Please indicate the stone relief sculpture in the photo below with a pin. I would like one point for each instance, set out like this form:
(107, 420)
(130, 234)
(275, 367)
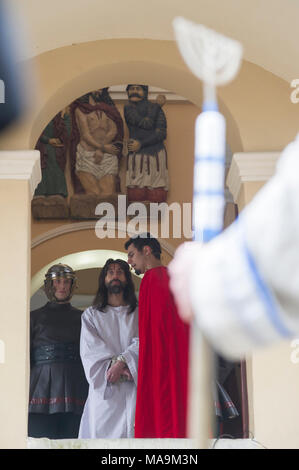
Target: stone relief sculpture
(95, 150)
(89, 131)
(147, 172)
(50, 198)
(81, 149)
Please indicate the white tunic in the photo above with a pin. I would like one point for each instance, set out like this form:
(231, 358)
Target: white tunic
(109, 411)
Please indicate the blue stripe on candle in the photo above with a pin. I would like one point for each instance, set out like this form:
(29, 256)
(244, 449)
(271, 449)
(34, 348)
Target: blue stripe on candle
(266, 296)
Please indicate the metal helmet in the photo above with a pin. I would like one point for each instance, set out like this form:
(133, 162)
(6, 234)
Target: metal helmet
(57, 271)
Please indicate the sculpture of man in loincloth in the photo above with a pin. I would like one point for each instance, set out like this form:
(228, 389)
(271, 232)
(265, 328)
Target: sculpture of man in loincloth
(97, 142)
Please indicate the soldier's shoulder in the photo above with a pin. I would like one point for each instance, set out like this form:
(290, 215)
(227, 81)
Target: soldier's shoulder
(37, 311)
(76, 310)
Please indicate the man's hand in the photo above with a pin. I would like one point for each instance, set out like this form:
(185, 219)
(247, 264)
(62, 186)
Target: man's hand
(110, 148)
(134, 145)
(180, 271)
(126, 372)
(55, 142)
(115, 371)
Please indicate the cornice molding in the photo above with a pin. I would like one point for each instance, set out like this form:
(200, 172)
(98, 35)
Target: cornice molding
(249, 167)
(21, 165)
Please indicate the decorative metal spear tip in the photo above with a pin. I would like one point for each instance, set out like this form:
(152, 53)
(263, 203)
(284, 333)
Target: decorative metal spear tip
(213, 58)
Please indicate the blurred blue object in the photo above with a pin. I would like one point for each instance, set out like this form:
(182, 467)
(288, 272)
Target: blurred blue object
(11, 100)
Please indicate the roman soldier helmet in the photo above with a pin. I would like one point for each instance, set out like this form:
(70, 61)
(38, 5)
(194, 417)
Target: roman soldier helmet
(57, 271)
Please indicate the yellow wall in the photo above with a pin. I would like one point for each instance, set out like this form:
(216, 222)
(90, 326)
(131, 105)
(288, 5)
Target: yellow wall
(275, 397)
(76, 242)
(14, 311)
(247, 192)
(256, 104)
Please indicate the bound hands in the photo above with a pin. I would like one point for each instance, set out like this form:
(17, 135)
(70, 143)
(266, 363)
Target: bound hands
(127, 374)
(117, 370)
(110, 148)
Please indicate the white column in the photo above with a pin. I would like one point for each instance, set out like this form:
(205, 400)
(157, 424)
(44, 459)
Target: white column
(248, 172)
(19, 175)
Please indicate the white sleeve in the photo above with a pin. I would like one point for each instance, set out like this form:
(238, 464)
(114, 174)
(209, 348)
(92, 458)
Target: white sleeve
(244, 285)
(95, 353)
(131, 353)
(131, 357)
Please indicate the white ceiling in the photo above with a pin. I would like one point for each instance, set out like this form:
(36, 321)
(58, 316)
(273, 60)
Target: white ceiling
(268, 29)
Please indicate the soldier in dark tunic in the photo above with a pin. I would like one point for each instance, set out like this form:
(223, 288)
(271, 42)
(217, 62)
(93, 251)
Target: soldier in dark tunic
(147, 172)
(58, 387)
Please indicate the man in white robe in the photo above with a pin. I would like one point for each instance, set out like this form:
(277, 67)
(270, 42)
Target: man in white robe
(109, 352)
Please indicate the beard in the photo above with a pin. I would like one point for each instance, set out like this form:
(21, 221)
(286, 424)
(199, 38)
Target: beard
(115, 287)
(137, 271)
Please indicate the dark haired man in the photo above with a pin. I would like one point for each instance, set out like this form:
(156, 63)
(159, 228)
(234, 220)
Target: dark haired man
(58, 387)
(109, 352)
(163, 357)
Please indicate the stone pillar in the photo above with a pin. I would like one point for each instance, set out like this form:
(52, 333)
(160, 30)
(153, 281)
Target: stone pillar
(19, 174)
(248, 172)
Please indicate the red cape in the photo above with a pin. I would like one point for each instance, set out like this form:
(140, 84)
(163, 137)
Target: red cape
(161, 406)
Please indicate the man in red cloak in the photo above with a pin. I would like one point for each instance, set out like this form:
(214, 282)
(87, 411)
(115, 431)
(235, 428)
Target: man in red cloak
(161, 406)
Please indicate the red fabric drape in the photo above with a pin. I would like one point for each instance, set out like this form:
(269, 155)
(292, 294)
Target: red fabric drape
(161, 406)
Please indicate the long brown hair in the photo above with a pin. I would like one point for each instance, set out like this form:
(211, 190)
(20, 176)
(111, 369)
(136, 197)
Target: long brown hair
(101, 297)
